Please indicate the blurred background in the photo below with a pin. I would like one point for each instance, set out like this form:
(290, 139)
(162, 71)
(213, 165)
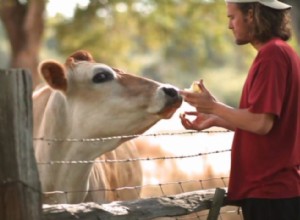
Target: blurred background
(171, 41)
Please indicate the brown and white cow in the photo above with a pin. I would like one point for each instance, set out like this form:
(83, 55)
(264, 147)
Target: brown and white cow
(84, 99)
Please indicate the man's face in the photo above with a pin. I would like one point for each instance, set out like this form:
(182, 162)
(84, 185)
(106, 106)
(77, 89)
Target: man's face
(240, 24)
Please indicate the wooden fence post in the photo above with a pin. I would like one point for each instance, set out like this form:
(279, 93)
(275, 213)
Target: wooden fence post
(217, 203)
(20, 197)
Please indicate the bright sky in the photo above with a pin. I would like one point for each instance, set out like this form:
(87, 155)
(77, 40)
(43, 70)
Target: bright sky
(67, 7)
(64, 7)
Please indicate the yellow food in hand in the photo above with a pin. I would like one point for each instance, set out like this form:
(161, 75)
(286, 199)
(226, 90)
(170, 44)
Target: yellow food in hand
(194, 88)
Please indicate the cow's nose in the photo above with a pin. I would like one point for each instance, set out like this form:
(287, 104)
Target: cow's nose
(171, 92)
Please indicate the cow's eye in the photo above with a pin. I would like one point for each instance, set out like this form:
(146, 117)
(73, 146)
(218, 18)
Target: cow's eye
(102, 76)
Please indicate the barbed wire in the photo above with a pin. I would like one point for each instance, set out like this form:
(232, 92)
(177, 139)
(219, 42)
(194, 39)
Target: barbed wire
(160, 185)
(132, 159)
(102, 139)
(136, 189)
(196, 215)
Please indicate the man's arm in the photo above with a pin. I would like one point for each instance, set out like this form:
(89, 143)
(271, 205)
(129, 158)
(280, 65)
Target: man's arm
(232, 118)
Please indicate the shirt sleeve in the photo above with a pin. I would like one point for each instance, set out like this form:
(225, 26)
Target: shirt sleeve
(269, 84)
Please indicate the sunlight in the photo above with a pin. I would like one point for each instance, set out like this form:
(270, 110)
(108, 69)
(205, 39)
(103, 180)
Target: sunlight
(55, 7)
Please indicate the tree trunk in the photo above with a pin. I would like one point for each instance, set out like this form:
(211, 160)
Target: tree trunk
(24, 24)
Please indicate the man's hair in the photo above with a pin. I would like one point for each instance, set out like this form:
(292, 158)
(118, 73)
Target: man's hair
(268, 22)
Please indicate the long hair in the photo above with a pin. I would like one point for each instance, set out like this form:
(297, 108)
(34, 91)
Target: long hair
(268, 22)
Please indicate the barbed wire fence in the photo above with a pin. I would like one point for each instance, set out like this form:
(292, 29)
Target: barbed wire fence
(220, 181)
(20, 191)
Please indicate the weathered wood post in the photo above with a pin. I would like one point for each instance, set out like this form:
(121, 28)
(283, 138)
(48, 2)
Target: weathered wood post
(217, 203)
(20, 197)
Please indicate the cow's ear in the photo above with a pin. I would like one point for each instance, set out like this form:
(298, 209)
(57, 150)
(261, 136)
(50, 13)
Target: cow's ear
(81, 55)
(54, 75)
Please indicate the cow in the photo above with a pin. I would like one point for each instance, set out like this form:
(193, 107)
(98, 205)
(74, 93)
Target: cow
(83, 99)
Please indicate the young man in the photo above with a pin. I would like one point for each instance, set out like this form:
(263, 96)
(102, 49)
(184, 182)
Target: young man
(265, 174)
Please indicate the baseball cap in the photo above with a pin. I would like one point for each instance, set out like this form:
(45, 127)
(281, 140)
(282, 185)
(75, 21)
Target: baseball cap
(269, 3)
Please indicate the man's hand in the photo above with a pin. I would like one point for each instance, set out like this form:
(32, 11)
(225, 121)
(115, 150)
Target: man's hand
(203, 101)
(201, 122)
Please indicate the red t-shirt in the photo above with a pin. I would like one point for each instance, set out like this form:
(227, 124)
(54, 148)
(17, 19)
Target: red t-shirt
(267, 166)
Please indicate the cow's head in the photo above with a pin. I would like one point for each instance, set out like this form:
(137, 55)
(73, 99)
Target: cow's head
(99, 96)
(87, 99)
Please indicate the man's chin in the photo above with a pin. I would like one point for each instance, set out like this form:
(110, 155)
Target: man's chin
(241, 42)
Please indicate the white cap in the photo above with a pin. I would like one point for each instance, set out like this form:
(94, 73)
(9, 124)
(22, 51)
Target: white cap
(269, 3)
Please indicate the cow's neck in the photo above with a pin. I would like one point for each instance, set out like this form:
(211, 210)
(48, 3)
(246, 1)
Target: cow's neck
(73, 175)
(65, 177)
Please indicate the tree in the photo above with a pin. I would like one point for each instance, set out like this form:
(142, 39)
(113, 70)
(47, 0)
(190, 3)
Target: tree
(158, 38)
(24, 25)
(170, 30)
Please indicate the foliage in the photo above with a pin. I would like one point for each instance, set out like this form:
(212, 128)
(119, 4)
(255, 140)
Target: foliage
(173, 41)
